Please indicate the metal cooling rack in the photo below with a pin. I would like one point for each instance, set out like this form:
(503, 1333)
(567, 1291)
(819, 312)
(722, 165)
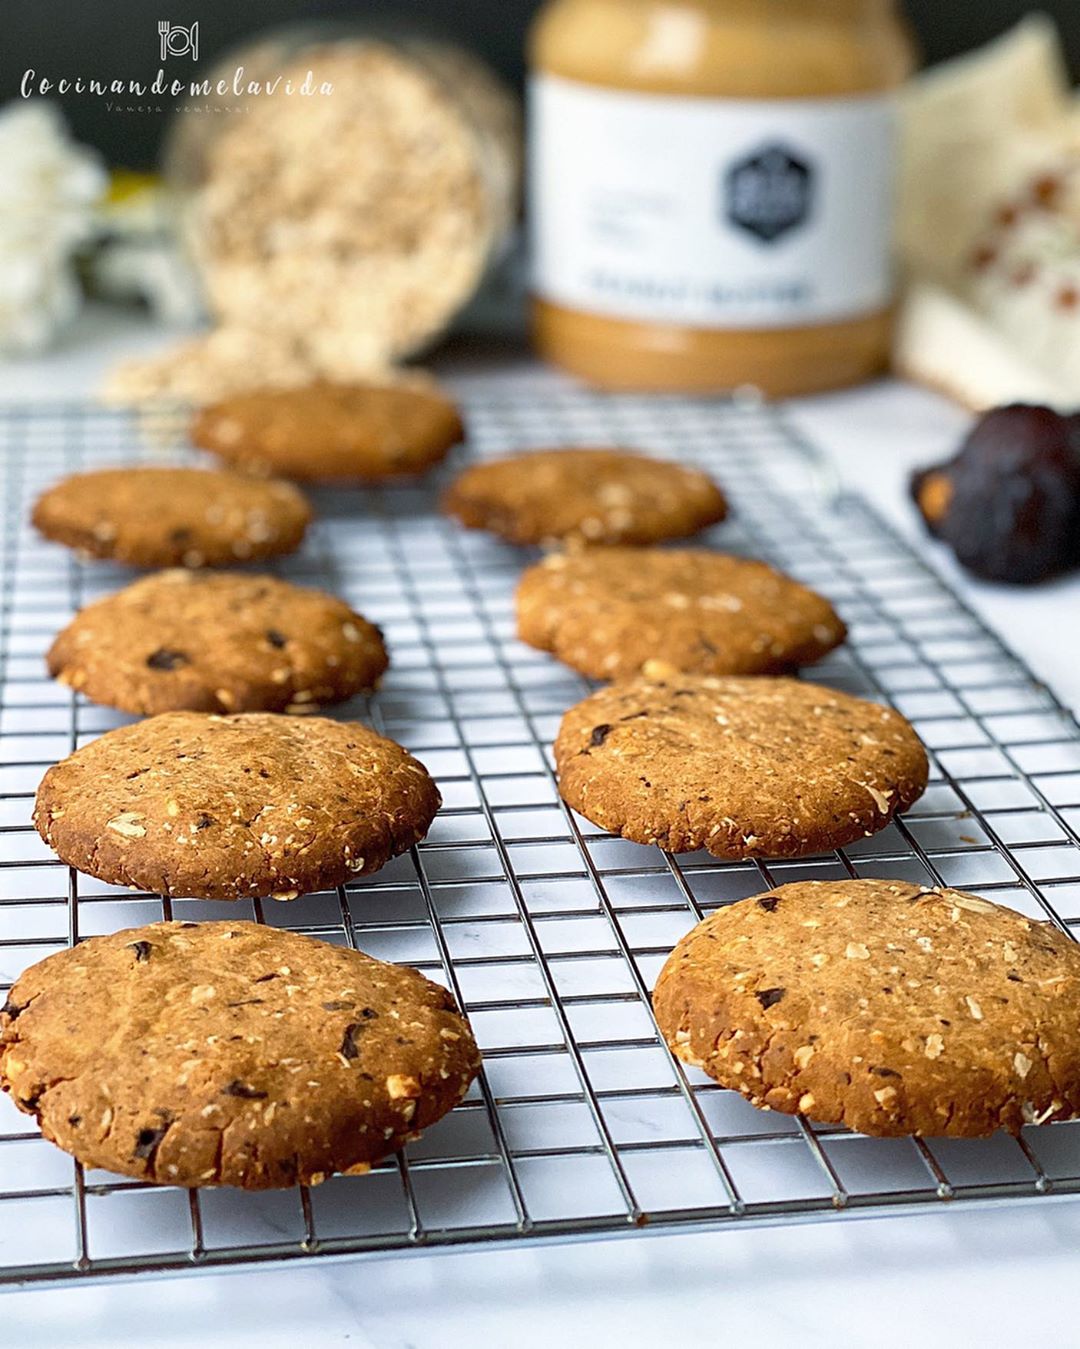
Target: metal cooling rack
(548, 931)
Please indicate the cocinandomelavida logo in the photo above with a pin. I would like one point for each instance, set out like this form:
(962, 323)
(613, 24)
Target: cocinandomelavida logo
(176, 40)
(173, 40)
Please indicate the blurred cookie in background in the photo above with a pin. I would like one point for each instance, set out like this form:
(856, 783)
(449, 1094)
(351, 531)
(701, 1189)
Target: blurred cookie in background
(610, 613)
(172, 517)
(326, 431)
(210, 642)
(585, 496)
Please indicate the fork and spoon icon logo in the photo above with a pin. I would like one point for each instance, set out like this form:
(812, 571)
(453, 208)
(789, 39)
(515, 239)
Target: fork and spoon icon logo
(176, 40)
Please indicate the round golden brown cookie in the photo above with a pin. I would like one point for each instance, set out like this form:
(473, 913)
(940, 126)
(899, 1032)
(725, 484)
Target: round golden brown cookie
(612, 612)
(226, 807)
(230, 1054)
(590, 496)
(169, 517)
(743, 767)
(214, 642)
(327, 431)
(884, 1006)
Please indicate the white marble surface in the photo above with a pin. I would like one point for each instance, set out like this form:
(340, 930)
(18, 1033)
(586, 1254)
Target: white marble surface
(946, 1280)
(989, 1277)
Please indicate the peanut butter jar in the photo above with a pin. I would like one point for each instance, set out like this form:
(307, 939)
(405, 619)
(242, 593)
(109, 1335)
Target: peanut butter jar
(710, 189)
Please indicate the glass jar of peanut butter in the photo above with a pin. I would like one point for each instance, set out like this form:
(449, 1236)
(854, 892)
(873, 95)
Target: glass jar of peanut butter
(710, 190)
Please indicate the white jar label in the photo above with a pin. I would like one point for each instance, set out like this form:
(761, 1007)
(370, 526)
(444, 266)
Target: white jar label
(712, 213)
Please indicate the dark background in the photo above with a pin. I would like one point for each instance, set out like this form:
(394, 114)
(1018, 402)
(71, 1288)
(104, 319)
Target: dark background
(119, 39)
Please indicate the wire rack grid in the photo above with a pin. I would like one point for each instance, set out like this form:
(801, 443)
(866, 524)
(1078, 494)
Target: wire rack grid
(549, 932)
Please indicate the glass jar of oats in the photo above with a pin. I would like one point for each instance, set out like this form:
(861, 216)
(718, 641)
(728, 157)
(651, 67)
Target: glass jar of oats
(344, 191)
(709, 190)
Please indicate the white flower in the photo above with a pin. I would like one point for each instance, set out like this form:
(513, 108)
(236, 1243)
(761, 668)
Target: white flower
(49, 187)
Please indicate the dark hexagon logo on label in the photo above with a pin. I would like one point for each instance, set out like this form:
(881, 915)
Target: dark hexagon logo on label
(769, 192)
